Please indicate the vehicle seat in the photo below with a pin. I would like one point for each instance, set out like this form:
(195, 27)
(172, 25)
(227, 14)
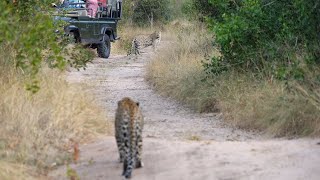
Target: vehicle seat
(82, 12)
(77, 13)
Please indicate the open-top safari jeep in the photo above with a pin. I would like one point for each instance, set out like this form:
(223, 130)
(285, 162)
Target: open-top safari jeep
(94, 31)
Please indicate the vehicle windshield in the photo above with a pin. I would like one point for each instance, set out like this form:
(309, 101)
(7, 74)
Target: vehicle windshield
(73, 4)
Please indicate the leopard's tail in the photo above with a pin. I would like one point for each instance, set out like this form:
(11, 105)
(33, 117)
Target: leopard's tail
(129, 161)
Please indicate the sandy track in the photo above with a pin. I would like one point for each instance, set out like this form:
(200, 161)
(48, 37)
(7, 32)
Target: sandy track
(222, 153)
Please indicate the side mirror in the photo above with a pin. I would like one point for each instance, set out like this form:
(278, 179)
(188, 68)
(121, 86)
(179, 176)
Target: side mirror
(53, 5)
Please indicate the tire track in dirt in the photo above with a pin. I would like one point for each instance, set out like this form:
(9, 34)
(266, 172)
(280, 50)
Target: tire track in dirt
(119, 77)
(223, 152)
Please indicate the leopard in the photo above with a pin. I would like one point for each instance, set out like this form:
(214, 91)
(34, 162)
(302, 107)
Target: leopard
(142, 41)
(129, 123)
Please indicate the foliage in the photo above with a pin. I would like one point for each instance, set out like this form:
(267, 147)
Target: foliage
(199, 9)
(260, 41)
(272, 106)
(273, 38)
(77, 56)
(72, 174)
(176, 8)
(146, 12)
(29, 28)
(127, 12)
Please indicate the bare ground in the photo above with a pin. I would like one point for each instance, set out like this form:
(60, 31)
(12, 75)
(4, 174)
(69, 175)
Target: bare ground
(180, 144)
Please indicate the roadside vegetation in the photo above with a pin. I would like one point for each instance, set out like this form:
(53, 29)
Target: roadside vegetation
(41, 115)
(177, 71)
(256, 61)
(37, 130)
(258, 64)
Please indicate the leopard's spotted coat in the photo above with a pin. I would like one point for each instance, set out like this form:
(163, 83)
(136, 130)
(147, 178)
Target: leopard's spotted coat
(142, 41)
(128, 131)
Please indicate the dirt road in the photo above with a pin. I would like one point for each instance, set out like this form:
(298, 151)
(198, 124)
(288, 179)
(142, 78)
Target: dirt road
(180, 144)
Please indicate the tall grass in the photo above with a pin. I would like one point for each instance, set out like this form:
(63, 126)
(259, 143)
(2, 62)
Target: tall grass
(267, 106)
(270, 106)
(36, 129)
(177, 69)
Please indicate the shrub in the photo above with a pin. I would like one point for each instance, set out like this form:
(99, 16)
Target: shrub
(147, 12)
(199, 9)
(28, 27)
(273, 38)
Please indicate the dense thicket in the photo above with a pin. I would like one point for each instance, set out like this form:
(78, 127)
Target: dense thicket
(147, 12)
(199, 9)
(273, 38)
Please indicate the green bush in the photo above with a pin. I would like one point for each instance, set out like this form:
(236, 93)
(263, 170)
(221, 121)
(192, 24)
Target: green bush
(199, 9)
(29, 28)
(269, 38)
(146, 12)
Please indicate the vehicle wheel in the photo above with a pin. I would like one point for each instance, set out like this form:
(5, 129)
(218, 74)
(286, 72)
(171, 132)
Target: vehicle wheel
(77, 37)
(73, 37)
(103, 49)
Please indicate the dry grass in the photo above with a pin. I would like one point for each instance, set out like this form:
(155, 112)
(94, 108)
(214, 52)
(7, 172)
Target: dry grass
(35, 130)
(10, 171)
(177, 70)
(127, 33)
(267, 106)
(245, 102)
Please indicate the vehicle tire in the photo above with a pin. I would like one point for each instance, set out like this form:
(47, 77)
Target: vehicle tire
(74, 37)
(103, 49)
(77, 37)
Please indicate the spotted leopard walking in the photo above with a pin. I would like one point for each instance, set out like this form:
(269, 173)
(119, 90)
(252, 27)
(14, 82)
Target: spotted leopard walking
(128, 131)
(143, 41)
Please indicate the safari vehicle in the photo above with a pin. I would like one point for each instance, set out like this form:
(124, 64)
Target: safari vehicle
(93, 31)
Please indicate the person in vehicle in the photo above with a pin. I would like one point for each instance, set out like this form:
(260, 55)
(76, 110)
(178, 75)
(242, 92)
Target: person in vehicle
(92, 7)
(103, 3)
